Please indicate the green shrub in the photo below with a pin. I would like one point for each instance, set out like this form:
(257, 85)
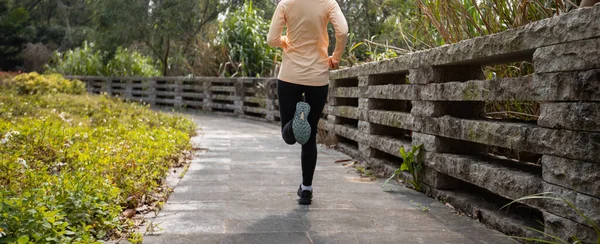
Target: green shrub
(34, 83)
(243, 33)
(130, 63)
(86, 60)
(72, 163)
(83, 60)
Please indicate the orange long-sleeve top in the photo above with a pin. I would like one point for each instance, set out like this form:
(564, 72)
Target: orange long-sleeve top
(305, 59)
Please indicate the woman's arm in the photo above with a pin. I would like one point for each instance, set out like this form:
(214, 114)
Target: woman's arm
(337, 19)
(274, 37)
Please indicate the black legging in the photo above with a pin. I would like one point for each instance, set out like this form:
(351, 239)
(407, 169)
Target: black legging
(316, 96)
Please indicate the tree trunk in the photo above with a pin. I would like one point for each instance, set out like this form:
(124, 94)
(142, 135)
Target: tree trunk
(166, 57)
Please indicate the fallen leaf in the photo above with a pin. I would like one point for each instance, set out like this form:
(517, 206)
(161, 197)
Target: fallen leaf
(353, 163)
(142, 209)
(450, 206)
(363, 179)
(343, 161)
(129, 213)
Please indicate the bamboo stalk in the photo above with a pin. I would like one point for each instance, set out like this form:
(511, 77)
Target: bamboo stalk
(397, 49)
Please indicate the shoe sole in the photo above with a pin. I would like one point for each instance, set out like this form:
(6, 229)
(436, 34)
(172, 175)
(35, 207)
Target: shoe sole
(300, 125)
(303, 201)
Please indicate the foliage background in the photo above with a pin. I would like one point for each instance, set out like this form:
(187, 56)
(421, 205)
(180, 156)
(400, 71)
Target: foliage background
(185, 37)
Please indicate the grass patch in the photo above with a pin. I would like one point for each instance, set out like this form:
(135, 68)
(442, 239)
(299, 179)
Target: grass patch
(72, 162)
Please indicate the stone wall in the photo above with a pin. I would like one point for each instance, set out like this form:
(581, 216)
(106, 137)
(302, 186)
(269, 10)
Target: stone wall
(437, 98)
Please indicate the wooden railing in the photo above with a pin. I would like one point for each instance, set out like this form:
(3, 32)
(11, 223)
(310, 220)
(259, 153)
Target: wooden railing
(437, 98)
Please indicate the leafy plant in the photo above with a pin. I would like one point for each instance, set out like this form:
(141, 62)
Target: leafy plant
(550, 238)
(130, 63)
(243, 33)
(423, 209)
(86, 60)
(413, 163)
(83, 60)
(34, 83)
(373, 51)
(72, 163)
(136, 238)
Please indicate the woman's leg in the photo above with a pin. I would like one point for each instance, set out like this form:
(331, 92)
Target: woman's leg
(288, 94)
(316, 97)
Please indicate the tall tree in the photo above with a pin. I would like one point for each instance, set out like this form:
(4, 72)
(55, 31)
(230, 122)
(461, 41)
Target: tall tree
(61, 23)
(166, 28)
(13, 23)
(57, 24)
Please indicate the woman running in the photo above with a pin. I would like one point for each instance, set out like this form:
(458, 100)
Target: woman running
(304, 76)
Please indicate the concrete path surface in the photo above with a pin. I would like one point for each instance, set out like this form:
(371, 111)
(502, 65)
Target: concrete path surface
(243, 190)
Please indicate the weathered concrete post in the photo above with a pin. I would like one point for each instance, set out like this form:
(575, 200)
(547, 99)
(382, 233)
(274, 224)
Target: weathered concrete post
(239, 95)
(271, 91)
(365, 127)
(207, 101)
(107, 88)
(424, 111)
(575, 179)
(332, 120)
(89, 85)
(178, 104)
(128, 90)
(151, 92)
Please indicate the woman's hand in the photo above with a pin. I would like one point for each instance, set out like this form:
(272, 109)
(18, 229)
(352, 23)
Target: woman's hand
(333, 64)
(285, 43)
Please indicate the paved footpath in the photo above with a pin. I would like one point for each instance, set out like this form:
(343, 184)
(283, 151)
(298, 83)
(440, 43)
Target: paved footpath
(243, 190)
